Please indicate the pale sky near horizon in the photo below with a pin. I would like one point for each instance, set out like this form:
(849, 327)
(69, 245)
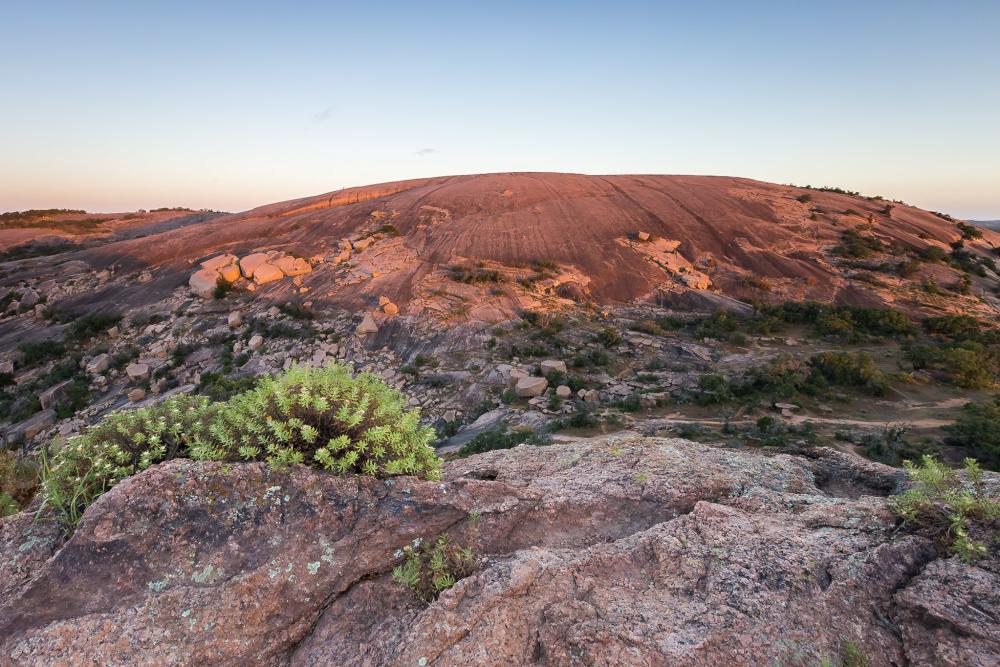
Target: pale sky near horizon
(112, 106)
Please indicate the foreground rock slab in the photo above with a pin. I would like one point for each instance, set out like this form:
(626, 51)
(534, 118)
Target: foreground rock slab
(612, 551)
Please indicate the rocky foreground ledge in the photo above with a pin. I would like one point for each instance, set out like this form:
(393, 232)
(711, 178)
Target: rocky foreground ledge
(611, 551)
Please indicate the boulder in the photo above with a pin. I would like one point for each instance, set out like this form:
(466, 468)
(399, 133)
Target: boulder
(29, 298)
(31, 427)
(6, 367)
(256, 342)
(235, 319)
(383, 300)
(515, 375)
(98, 364)
(367, 325)
(203, 281)
(609, 551)
(562, 391)
(249, 263)
(292, 266)
(550, 366)
(230, 273)
(528, 387)
(390, 309)
(267, 273)
(137, 372)
(643, 236)
(218, 262)
(54, 395)
(136, 394)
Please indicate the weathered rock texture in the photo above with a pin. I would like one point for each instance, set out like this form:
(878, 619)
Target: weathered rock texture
(734, 236)
(617, 551)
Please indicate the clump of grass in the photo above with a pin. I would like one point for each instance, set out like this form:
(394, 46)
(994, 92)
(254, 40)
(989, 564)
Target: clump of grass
(431, 567)
(959, 515)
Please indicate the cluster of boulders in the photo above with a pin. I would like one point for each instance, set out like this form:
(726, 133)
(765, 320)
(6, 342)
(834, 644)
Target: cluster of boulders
(663, 253)
(250, 271)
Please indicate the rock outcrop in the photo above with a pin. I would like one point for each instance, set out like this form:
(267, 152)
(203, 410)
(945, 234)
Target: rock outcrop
(615, 551)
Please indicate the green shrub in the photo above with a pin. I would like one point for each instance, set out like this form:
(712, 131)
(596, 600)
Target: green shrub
(844, 369)
(91, 325)
(222, 288)
(501, 438)
(609, 337)
(959, 515)
(36, 354)
(18, 482)
(977, 429)
(431, 567)
(968, 364)
(122, 444)
(326, 418)
(8, 506)
(857, 244)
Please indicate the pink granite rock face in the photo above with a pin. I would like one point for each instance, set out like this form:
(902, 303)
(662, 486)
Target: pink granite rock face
(611, 551)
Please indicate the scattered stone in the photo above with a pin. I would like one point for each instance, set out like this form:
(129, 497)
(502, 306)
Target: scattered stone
(137, 372)
(550, 366)
(6, 367)
(528, 387)
(32, 426)
(113, 332)
(145, 277)
(230, 273)
(218, 262)
(515, 375)
(367, 325)
(137, 395)
(292, 266)
(562, 391)
(203, 281)
(643, 236)
(235, 319)
(54, 394)
(383, 300)
(256, 342)
(250, 263)
(267, 273)
(390, 309)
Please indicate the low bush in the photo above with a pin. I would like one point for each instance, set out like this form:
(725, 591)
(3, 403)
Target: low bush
(977, 429)
(121, 445)
(320, 417)
(18, 482)
(431, 567)
(88, 326)
(857, 244)
(609, 337)
(960, 515)
(970, 365)
(36, 354)
(501, 438)
(326, 418)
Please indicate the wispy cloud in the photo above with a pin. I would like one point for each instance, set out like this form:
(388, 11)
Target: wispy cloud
(324, 115)
(426, 151)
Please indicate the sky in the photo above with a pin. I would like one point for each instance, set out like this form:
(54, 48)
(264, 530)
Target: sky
(113, 106)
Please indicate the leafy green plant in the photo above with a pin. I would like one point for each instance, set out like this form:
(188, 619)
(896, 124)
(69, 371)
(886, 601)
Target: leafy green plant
(609, 337)
(430, 567)
(501, 438)
(18, 482)
(977, 429)
(959, 515)
(122, 444)
(326, 418)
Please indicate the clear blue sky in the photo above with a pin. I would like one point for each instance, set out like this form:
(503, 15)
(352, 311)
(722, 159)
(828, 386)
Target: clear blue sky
(228, 105)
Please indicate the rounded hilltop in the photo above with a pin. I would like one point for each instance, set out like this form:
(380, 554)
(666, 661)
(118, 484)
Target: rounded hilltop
(512, 241)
